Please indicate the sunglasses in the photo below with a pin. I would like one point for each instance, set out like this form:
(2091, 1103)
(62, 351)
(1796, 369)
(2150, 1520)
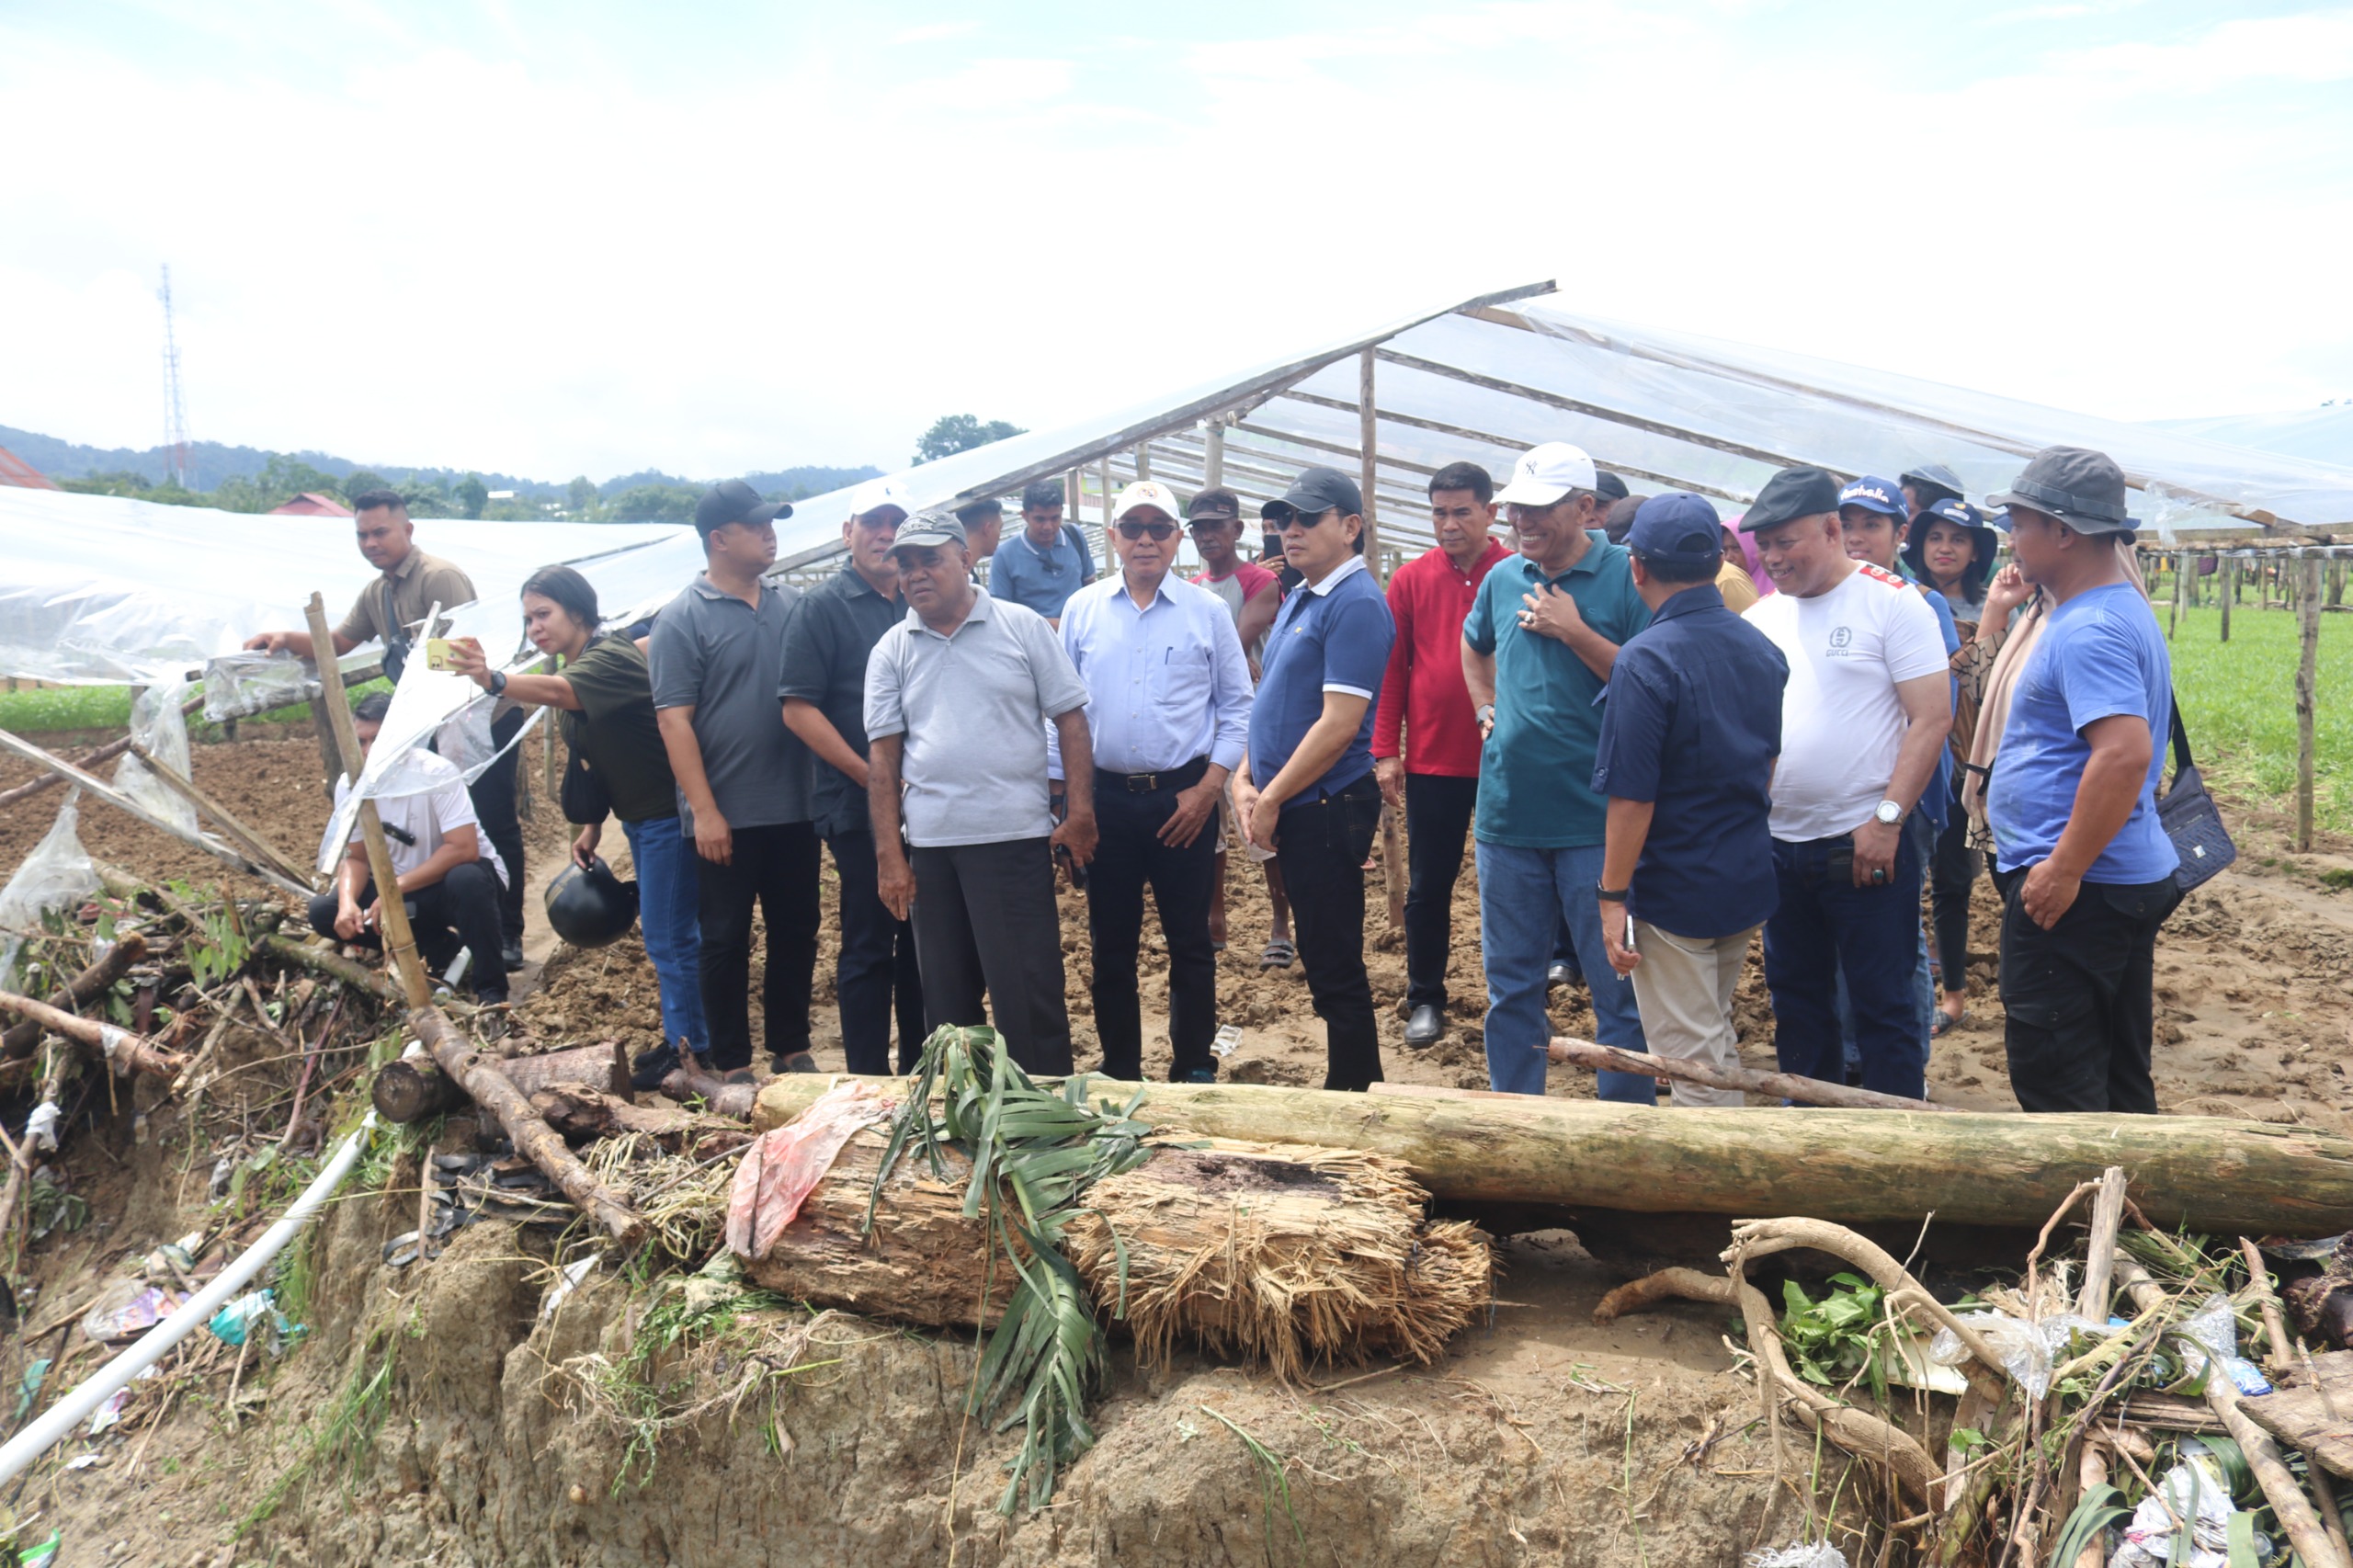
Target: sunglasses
(1158, 531)
(1305, 519)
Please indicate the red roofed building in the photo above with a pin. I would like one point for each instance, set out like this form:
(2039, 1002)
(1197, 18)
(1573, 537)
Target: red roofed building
(15, 470)
(310, 504)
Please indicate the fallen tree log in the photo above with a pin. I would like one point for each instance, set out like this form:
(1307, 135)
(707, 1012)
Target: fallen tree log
(2205, 1172)
(325, 960)
(125, 1053)
(581, 1114)
(1776, 1086)
(533, 1138)
(722, 1097)
(415, 1086)
(22, 1039)
(603, 1067)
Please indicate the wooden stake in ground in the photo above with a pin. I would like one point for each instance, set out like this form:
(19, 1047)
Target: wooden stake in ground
(2230, 591)
(400, 942)
(532, 1137)
(2108, 1215)
(1783, 1085)
(2307, 632)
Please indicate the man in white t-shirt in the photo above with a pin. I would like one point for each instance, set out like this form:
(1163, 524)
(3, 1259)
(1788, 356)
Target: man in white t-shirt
(1863, 717)
(449, 873)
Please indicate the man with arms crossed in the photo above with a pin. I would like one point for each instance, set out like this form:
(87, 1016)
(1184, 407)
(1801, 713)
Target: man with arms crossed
(1688, 735)
(1864, 720)
(1432, 774)
(1306, 789)
(1539, 642)
(959, 697)
(744, 780)
(1252, 595)
(823, 690)
(1168, 706)
(2084, 867)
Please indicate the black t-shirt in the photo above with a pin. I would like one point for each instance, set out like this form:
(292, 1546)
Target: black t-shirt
(824, 664)
(614, 731)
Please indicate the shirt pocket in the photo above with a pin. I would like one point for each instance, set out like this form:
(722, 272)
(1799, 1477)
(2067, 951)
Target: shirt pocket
(1178, 678)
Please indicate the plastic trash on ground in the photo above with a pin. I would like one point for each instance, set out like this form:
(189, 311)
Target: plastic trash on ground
(2214, 1329)
(44, 1554)
(2027, 1349)
(573, 1273)
(2193, 1490)
(156, 724)
(784, 1163)
(58, 875)
(1797, 1554)
(255, 1311)
(128, 1309)
(41, 1127)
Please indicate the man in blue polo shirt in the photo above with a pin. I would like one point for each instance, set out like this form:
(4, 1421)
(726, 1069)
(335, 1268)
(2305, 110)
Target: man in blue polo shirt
(1047, 561)
(1305, 789)
(1540, 640)
(1689, 732)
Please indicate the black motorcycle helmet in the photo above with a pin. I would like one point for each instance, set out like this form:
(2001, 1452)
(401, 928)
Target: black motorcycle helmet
(593, 907)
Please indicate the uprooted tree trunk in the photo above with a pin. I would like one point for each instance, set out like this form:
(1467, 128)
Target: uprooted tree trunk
(416, 1085)
(479, 1075)
(1852, 1166)
(22, 1039)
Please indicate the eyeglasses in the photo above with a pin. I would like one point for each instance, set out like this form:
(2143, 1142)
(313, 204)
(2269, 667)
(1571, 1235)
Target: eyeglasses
(1158, 531)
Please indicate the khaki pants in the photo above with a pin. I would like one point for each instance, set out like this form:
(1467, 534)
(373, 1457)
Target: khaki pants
(1684, 988)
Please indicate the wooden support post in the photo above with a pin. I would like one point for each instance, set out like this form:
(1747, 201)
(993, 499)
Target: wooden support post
(1213, 465)
(2230, 591)
(1103, 477)
(2335, 582)
(2308, 630)
(1368, 444)
(400, 942)
(1073, 493)
(2180, 586)
(1144, 459)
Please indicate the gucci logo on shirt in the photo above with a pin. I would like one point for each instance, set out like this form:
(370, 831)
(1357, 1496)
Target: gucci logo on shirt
(1840, 641)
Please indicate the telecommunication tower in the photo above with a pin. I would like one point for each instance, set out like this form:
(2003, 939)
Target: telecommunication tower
(175, 411)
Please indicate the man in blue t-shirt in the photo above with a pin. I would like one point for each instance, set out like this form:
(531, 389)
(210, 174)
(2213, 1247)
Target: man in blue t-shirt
(1539, 642)
(1047, 561)
(1305, 787)
(2085, 869)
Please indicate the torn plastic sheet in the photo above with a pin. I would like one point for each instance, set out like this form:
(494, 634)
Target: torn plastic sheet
(241, 684)
(158, 729)
(58, 875)
(440, 710)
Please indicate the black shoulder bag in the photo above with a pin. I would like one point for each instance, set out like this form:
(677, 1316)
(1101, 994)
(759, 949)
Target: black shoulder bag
(2190, 818)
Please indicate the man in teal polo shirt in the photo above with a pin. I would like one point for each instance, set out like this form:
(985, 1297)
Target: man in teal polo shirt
(1537, 649)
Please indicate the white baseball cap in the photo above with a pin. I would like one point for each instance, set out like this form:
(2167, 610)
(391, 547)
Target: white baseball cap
(1148, 492)
(877, 493)
(1543, 474)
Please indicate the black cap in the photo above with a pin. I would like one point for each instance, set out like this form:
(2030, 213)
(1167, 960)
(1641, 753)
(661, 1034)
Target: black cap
(733, 500)
(1791, 494)
(1609, 487)
(1213, 505)
(1316, 492)
(1678, 528)
(2082, 488)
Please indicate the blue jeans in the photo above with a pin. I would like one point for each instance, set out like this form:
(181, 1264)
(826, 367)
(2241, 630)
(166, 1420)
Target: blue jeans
(1923, 834)
(667, 888)
(1827, 925)
(1524, 894)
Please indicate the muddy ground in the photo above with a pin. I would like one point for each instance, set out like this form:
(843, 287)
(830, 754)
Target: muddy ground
(435, 1415)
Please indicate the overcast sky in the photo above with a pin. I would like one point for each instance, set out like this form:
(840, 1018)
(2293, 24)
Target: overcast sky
(592, 237)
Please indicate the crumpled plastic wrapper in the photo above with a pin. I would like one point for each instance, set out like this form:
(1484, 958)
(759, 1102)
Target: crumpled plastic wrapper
(1797, 1554)
(2193, 1490)
(2027, 1349)
(784, 1163)
(156, 725)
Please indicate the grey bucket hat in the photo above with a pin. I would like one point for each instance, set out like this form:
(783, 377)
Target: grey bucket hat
(2080, 487)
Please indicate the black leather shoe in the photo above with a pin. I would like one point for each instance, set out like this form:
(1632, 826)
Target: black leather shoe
(651, 1066)
(1425, 1028)
(512, 953)
(1559, 973)
(798, 1062)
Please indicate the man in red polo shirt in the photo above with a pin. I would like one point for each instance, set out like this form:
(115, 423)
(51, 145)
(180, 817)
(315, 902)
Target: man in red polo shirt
(1433, 776)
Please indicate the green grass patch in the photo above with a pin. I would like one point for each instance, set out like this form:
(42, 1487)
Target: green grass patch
(2239, 700)
(33, 710)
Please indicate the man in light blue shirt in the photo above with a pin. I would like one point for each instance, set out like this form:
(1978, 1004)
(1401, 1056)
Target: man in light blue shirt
(1168, 709)
(1048, 560)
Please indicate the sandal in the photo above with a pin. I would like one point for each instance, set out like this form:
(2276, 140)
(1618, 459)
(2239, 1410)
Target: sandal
(1277, 954)
(1944, 1022)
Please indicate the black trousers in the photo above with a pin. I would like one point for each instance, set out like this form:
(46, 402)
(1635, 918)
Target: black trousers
(876, 977)
(1129, 855)
(1321, 846)
(1952, 870)
(458, 911)
(985, 921)
(777, 866)
(493, 797)
(2079, 996)
(1437, 818)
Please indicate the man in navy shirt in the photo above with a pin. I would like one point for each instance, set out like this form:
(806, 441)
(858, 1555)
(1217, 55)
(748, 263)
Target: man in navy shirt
(1305, 789)
(1047, 561)
(2085, 869)
(1690, 728)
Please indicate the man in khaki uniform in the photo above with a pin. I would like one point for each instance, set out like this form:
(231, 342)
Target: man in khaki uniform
(391, 609)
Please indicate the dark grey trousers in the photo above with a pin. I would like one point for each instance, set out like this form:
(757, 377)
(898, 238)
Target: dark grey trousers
(985, 920)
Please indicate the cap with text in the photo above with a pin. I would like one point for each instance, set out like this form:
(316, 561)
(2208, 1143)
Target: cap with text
(1147, 493)
(1873, 493)
(1546, 474)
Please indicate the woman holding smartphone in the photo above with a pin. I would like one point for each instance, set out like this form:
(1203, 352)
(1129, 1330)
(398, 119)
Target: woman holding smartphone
(605, 696)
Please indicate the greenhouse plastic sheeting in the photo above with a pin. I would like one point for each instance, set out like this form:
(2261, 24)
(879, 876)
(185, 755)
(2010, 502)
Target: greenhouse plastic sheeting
(106, 589)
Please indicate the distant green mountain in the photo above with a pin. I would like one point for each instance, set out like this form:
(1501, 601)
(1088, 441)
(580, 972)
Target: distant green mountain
(210, 464)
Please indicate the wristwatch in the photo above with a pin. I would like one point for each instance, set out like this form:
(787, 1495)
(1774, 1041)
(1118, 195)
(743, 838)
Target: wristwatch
(498, 683)
(1609, 895)
(1889, 813)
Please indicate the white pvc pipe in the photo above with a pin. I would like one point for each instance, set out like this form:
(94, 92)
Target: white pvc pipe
(68, 1413)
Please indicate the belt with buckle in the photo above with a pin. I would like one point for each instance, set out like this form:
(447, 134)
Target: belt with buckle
(1181, 777)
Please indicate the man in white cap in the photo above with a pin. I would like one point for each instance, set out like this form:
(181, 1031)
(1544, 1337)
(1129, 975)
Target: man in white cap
(1538, 646)
(1168, 708)
(959, 698)
(824, 691)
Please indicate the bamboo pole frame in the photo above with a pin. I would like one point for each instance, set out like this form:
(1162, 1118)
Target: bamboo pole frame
(1214, 456)
(400, 941)
(2307, 665)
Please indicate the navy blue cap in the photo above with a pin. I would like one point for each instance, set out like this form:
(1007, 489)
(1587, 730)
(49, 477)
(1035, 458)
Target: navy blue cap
(1678, 528)
(1875, 495)
(1961, 514)
(1791, 494)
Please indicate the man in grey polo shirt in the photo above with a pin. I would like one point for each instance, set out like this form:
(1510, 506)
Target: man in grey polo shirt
(745, 781)
(958, 699)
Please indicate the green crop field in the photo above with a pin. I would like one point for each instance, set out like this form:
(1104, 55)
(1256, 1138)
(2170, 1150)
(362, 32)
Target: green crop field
(2239, 700)
(36, 711)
